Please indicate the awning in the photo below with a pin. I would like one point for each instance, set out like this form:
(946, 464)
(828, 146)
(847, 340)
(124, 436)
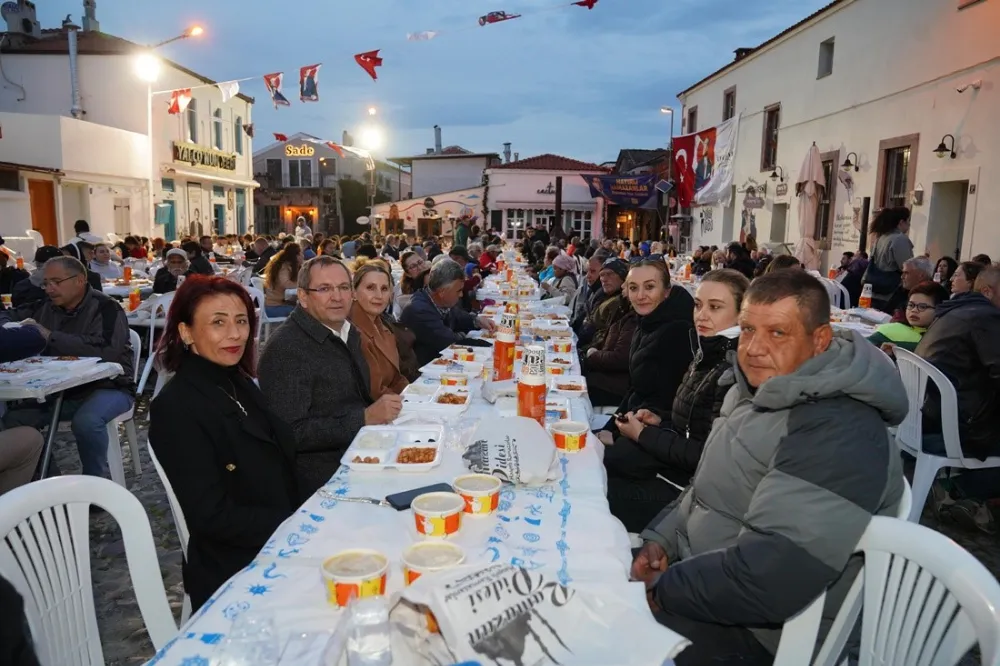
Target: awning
(171, 170)
(28, 167)
(536, 205)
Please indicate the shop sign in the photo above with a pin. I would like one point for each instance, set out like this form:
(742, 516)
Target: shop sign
(195, 155)
(550, 190)
(299, 151)
(781, 193)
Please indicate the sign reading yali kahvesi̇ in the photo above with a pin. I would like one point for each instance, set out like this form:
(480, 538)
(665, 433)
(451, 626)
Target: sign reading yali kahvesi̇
(204, 157)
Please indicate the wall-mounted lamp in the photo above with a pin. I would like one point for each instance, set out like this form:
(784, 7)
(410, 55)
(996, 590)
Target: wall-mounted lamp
(943, 149)
(848, 164)
(778, 173)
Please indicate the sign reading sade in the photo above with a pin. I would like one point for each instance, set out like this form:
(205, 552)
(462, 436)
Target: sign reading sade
(299, 151)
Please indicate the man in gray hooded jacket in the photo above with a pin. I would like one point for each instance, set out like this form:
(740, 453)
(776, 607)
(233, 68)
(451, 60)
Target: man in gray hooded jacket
(792, 472)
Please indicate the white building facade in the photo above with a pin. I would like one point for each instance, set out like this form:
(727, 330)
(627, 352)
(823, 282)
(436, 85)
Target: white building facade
(523, 193)
(96, 154)
(877, 85)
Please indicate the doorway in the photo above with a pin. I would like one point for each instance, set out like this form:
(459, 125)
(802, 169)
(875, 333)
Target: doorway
(123, 214)
(946, 219)
(42, 199)
(241, 212)
(219, 219)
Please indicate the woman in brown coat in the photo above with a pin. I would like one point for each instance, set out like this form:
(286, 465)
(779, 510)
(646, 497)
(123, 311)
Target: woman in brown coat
(372, 295)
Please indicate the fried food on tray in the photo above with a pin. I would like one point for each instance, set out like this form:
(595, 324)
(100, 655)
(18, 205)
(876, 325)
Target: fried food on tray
(451, 399)
(415, 455)
(569, 387)
(67, 358)
(561, 361)
(442, 361)
(367, 460)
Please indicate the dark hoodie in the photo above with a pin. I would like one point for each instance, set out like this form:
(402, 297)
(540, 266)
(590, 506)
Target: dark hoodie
(962, 343)
(660, 354)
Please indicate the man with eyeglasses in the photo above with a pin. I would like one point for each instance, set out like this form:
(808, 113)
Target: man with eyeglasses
(77, 320)
(915, 271)
(315, 377)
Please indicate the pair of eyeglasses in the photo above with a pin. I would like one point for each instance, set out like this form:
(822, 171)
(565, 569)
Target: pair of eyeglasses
(326, 289)
(53, 283)
(919, 307)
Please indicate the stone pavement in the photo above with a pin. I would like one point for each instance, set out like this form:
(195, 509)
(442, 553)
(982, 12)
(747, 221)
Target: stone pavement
(123, 634)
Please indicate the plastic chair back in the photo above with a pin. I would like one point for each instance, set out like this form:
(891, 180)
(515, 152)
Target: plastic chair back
(915, 372)
(45, 554)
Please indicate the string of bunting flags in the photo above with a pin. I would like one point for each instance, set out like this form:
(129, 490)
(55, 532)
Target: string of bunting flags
(368, 61)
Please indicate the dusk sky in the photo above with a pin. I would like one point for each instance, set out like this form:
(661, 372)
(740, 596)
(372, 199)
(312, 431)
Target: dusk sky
(562, 80)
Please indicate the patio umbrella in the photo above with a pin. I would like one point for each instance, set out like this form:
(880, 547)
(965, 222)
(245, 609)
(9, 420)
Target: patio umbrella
(809, 188)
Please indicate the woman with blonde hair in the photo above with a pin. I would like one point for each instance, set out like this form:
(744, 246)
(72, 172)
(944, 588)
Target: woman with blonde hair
(281, 274)
(372, 296)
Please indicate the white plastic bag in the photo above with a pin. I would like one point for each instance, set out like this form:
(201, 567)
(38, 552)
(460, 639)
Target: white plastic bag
(514, 449)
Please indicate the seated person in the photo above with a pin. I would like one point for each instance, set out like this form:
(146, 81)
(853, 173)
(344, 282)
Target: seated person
(176, 265)
(263, 252)
(415, 269)
(198, 261)
(962, 343)
(372, 295)
(229, 459)
(30, 291)
(10, 274)
(281, 274)
(314, 374)
(208, 249)
(786, 485)
(605, 361)
(546, 272)
(563, 281)
(661, 347)
(77, 320)
(964, 279)
(83, 252)
(919, 314)
(608, 308)
(651, 446)
(104, 265)
(432, 316)
(915, 271)
(20, 447)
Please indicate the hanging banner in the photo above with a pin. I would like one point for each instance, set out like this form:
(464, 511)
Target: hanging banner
(632, 191)
(703, 164)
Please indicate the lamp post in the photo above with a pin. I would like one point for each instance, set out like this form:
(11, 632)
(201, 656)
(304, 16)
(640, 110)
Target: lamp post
(670, 163)
(147, 68)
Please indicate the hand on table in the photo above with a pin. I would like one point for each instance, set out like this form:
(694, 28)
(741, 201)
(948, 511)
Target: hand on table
(647, 417)
(631, 427)
(486, 323)
(384, 410)
(649, 563)
(605, 437)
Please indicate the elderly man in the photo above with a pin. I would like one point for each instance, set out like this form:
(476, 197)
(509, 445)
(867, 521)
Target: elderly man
(432, 316)
(264, 253)
(590, 294)
(792, 472)
(915, 271)
(315, 377)
(76, 320)
(962, 343)
(177, 265)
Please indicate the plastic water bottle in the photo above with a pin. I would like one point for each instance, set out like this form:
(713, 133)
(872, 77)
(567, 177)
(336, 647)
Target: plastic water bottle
(368, 641)
(865, 301)
(937, 277)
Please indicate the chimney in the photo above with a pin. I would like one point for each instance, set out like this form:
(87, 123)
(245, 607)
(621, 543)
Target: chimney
(430, 151)
(742, 53)
(437, 140)
(516, 156)
(90, 22)
(506, 153)
(347, 140)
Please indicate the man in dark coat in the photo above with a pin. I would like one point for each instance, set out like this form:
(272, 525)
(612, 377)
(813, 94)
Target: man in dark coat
(315, 377)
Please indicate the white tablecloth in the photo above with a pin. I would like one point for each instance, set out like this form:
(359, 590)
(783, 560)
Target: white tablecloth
(122, 291)
(563, 525)
(57, 379)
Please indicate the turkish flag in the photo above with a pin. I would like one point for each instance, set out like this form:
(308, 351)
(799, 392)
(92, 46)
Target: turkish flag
(280, 137)
(368, 61)
(179, 100)
(682, 152)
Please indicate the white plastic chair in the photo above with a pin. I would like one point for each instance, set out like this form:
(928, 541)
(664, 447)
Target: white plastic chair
(39, 241)
(915, 372)
(45, 554)
(115, 464)
(179, 523)
(264, 322)
(927, 601)
(839, 296)
(256, 282)
(158, 309)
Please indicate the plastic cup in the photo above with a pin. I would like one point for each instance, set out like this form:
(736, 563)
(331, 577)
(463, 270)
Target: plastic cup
(354, 573)
(454, 379)
(438, 515)
(481, 493)
(562, 346)
(7, 300)
(570, 435)
(428, 557)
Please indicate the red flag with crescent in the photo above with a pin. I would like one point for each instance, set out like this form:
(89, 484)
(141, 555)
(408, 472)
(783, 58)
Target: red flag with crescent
(368, 61)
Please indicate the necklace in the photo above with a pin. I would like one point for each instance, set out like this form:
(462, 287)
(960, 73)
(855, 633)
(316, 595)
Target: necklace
(233, 397)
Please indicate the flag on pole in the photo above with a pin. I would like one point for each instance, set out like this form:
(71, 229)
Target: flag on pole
(248, 128)
(280, 137)
(368, 61)
(309, 83)
(589, 4)
(229, 90)
(179, 100)
(273, 84)
(424, 36)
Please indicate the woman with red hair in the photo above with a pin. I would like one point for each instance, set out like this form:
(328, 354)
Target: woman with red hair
(229, 460)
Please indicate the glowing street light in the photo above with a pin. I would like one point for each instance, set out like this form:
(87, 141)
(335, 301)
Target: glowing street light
(193, 31)
(147, 67)
(371, 138)
(372, 110)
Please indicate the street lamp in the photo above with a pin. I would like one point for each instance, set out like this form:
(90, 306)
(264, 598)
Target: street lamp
(670, 148)
(371, 138)
(147, 68)
(372, 110)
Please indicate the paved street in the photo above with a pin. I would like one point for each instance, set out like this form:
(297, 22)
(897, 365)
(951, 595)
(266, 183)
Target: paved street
(122, 632)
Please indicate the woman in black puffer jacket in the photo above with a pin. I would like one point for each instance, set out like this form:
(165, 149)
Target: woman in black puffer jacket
(650, 446)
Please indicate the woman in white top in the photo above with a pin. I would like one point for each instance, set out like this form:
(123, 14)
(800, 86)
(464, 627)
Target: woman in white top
(102, 263)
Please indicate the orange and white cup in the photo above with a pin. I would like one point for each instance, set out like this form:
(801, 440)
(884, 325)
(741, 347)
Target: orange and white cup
(463, 355)
(427, 557)
(531, 384)
(354, 573)
(555, 369)
(569, 435)
(562, 346)
(481, 493)
(454, 379)
(438, 515)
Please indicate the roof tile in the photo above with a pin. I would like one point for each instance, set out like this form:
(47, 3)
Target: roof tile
(550, 162)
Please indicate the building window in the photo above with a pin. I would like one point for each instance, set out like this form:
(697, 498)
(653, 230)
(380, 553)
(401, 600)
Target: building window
(896, 171)
(729, 104)
(270, 222)
(217, 128)
(827, 209)
(167, 184)
(273, 168)
(299, 173)
(825, 59)
(238, 135)
(769, 143)
(578, 223)
(515, 222)
(219, 192)
(192, 121)
(10, 180)
(692, 120)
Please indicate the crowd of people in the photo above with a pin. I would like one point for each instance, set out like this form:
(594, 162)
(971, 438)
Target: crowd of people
(745, 463)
